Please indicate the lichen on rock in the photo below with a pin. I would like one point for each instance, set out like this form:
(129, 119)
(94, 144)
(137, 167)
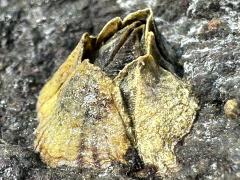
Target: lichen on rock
(119, 90)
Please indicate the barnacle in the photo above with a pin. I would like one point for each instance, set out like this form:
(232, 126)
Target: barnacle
(232, 108)
(119, 90)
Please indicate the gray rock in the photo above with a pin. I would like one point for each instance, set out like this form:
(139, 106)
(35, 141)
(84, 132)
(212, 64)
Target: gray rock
(36, 37)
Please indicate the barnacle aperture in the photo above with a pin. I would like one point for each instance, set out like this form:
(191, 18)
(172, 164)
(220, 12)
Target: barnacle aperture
(118, 90)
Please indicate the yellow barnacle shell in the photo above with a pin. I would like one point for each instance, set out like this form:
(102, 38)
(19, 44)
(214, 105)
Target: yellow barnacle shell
(116, 91)
(85, 124)
(162, 108)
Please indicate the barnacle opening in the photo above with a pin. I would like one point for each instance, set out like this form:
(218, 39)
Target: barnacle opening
(122, 41)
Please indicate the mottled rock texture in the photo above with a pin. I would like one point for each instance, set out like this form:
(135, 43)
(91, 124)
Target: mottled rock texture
(36, 37)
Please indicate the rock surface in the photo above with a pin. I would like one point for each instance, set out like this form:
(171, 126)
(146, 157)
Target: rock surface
(36, 37)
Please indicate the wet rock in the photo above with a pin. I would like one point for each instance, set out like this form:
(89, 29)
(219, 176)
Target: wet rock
(16, 162)
(163, 9)
(211, 63)
(204, 9)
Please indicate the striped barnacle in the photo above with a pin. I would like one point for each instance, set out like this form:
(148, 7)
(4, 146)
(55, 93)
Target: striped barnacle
(117, 91)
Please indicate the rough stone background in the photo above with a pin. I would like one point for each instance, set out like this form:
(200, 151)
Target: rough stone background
(37, 35)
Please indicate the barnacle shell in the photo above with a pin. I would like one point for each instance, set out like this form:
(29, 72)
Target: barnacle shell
(232, 108)
(162, 110)
(116, 91)
(85, 124)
